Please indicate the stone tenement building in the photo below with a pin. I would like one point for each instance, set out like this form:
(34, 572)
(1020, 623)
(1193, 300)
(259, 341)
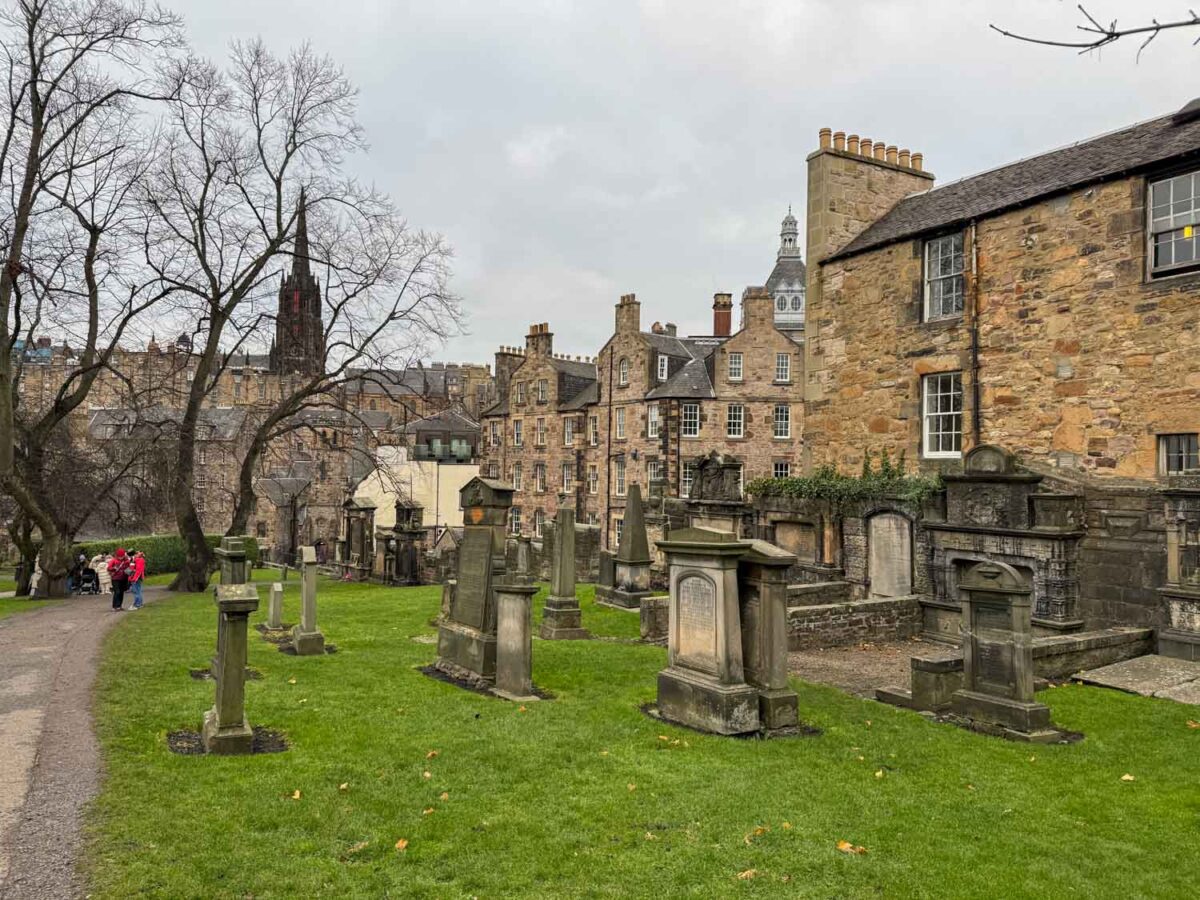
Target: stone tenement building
(304, 476)
(1049, 308)
(650, 404)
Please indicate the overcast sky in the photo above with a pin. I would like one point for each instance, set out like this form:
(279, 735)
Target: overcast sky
(574, 152)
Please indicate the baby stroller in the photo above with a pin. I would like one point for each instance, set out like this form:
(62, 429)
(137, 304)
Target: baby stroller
(89, 581)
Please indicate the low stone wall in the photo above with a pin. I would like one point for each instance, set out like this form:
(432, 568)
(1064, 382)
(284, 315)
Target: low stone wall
(827, 593)
(838, 624)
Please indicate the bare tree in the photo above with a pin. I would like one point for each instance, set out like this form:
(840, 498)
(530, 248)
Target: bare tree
(1098, 35)
(76, 73)
(244, 144)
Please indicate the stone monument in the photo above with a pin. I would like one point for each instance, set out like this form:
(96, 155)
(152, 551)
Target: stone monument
(514, 642)
(226, 730)
(704, 684)
(467, 634)
(307, 639)
(524, 573)
(561, 616)
(997, 691)
(231, 560)
(762, 595)
(631, 577)
(275, 607)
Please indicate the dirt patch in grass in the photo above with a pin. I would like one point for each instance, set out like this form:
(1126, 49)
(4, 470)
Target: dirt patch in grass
(275, 635)
(189, 743)
(206, 674)
(474, 684)
(650, 710)
(291, 651)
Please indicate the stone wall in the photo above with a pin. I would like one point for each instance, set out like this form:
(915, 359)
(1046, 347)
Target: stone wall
(835, 625)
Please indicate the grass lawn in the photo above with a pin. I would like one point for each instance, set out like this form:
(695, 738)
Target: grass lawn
(586, 796)
(12, 605)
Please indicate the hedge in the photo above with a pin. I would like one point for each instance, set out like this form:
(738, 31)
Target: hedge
(164, 552)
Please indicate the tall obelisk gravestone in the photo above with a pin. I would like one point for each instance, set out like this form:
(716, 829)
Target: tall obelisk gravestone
(632, 562)
(561, 616)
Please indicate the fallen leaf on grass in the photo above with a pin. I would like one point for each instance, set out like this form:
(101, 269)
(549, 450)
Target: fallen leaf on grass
(847, 847)
(355, 848)
(747, 875)
(1128, 777)
(295, 795)
(650, 837)
(344, 786)
(291, 681)
(427, 811)
(604, 753)
(970, 787)
(522, 709)
(432, 754)
(631, 786)
(1192, 723)
(1033, 759)
(426, 774)
(663, 737)
(445, 795)
(879, 773)
(758, 831)
(787, 826)
(402, 844)
(303, 699)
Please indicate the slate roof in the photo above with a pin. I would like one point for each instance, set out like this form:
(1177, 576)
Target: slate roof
(787, 268)
(692, 382)
(586, 397)
(217, 423)
(446, 420)
(574, 367)
(1118, 153)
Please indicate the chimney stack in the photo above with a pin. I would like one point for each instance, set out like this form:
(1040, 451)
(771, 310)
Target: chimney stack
(722, 314)
(540, 340)
(629, 314)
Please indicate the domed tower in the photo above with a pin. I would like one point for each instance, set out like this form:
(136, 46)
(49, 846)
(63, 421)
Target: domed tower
(786, 282)
(299, 346)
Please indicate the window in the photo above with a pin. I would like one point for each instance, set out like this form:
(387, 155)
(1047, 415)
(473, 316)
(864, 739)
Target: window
(735, 366)
(686, 478)
(515, 518)
(541, 390)
(735, 421)
(781, 304)
(594, 431)
(593, 480)
(495, 431)
(541, 432)
(237, 387)
(567, 478)
(654, 470)
(1179, 454)
(620, 528)
(262, 391)
(521, 392)
(568, 432)
(944, 277)
(493, 470)
(623, 372)
(652, 420)
(783, 367)
(690, 420)
(663, 366)
(539, 521)
(1174, 213)
(781, 470)
(783, 420)
(621, 424)
(516, 476)
(619, 477)
(202, 456)
(539, 477)
(518, 436)
(941, 416)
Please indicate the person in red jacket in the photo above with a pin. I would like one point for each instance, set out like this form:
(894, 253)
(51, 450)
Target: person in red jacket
(120, 569)
(138, 578)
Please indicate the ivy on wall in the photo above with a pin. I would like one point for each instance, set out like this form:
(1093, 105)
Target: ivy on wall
(840, 491)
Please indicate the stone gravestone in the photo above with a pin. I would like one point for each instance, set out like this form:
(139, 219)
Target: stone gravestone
(231, 559)
(514, 641)
(226, 730)
(275, 606)
(307, 639)
(606, 571)
(561, 616)
(631, 578)
(997, 644)
(704, 684)
(762, 595)
(467, 635)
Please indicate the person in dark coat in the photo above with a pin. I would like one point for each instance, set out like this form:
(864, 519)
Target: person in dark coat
(120, 567)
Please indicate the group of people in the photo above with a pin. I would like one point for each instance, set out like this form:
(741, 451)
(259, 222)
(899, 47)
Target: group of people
(119, 572)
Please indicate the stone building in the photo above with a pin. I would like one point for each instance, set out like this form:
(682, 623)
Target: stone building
(1030, 333)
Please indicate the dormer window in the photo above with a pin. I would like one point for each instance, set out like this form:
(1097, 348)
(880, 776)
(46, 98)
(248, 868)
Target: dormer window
(1174, 221)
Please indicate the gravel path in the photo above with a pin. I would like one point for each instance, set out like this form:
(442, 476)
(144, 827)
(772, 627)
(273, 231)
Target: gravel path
(50, 765)
(861, 668)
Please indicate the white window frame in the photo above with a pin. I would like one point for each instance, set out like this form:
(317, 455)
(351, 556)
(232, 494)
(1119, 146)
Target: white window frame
(948, 246)
(653, 470)
(619, 527)
(1186, 454)
(652, 420)
(933, 390)
(514, 520)
(518, 475)
(593, 479)
(495, 433)
(736, 366)
(689, 420)
(568, 431)
(520, 392)
(687, 477)
(623, 372)
(540, 436)
(1163, 197)
(781, 469)
(664, 364)
(542, 391)
(785, 420)
(568, 478)
(539, 522)
(539, 477)
(619, 485)
(518, 433)
(735, 421)
(594, 431)
(493, 470)
(620, 435)
(783, 368)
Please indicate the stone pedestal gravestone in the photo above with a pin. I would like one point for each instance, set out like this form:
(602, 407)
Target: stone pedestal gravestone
(514, 641)
(631, 578)
(231, 560)
(524, 573)
(704, 684)
(307, 639)
(997, 646)
(561, 616)
(655, 619)
(226, 730)
(467, 635)
(275, 606)
(606, 572)
(762, 596)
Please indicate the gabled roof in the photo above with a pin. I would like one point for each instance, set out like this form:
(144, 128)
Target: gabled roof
(215, 423)
(692, 382)
(787, 268)
(446, 420)
(1118, 153)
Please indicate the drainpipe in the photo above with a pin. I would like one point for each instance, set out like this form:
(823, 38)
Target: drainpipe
(608, 454)
(976, 390)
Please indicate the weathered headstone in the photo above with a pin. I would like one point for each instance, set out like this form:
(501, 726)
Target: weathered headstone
(231, 560)
(514, 642)
(307, 639)
(762, 595)
(655, 619)
(226, 730)
(467, 635)
(631, 580)
(561, 616)
(524, 573)
(997, 646)
(606, 571)
(275, 606)
(704, 684)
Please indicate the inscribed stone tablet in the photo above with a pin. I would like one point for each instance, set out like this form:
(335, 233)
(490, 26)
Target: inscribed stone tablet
(993, 618)
(993, 667)
(697, 643)
(474, 570)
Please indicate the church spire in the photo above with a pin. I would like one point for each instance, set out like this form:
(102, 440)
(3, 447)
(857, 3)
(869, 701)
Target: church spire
(300, 258)
(789, 236)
